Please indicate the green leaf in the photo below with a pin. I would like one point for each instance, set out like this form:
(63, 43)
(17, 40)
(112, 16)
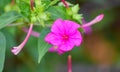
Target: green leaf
(9, 35)
(2, 50)
(8, 18)
(42, 45)
(58, 12)
(46, 2)
(51, 3)
(3, 3)
(24, 8)
(78, 18)
(75, 9)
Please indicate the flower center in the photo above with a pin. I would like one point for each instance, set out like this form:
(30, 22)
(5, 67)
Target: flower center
(65, 37)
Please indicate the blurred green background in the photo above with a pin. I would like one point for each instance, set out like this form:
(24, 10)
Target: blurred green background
(99, 52)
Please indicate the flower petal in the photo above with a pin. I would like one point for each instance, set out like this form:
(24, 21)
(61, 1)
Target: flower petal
(53, 39)
(64, 26)
(76, 35)
(70, 26)
(57, 26)
(16, 50)
(67, 46)
(76, 38)
(60, 51)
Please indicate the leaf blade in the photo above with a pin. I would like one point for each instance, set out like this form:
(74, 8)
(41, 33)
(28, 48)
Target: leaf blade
(8, 18)
(2, 50)
(42, 45)
(57, 12)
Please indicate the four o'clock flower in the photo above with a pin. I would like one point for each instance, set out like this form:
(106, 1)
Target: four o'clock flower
(87, 25)
(95, 20)
(64, 36)
(16, 50)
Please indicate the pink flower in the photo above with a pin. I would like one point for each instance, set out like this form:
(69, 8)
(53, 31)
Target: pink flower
(16, 50)
(87, 26)
(95, 20)
(63, 36)
(65, 33)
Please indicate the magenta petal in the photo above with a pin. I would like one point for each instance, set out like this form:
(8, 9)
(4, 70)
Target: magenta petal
(53, 39)
(67, 46)
(57, 26)
(70, 26)
(64, 26)
(60, 51)
(77, 42)
(76, 35)
(76, 38)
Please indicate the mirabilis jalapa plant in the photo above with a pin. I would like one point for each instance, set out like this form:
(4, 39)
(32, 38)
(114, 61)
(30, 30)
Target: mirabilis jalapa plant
(62, 19)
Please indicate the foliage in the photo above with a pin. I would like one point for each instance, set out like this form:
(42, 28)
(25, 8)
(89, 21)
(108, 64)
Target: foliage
(8, 18)
(2, 50)
(14, 17)
(42, 45)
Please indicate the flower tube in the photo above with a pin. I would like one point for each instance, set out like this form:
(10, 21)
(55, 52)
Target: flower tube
(16, 50)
